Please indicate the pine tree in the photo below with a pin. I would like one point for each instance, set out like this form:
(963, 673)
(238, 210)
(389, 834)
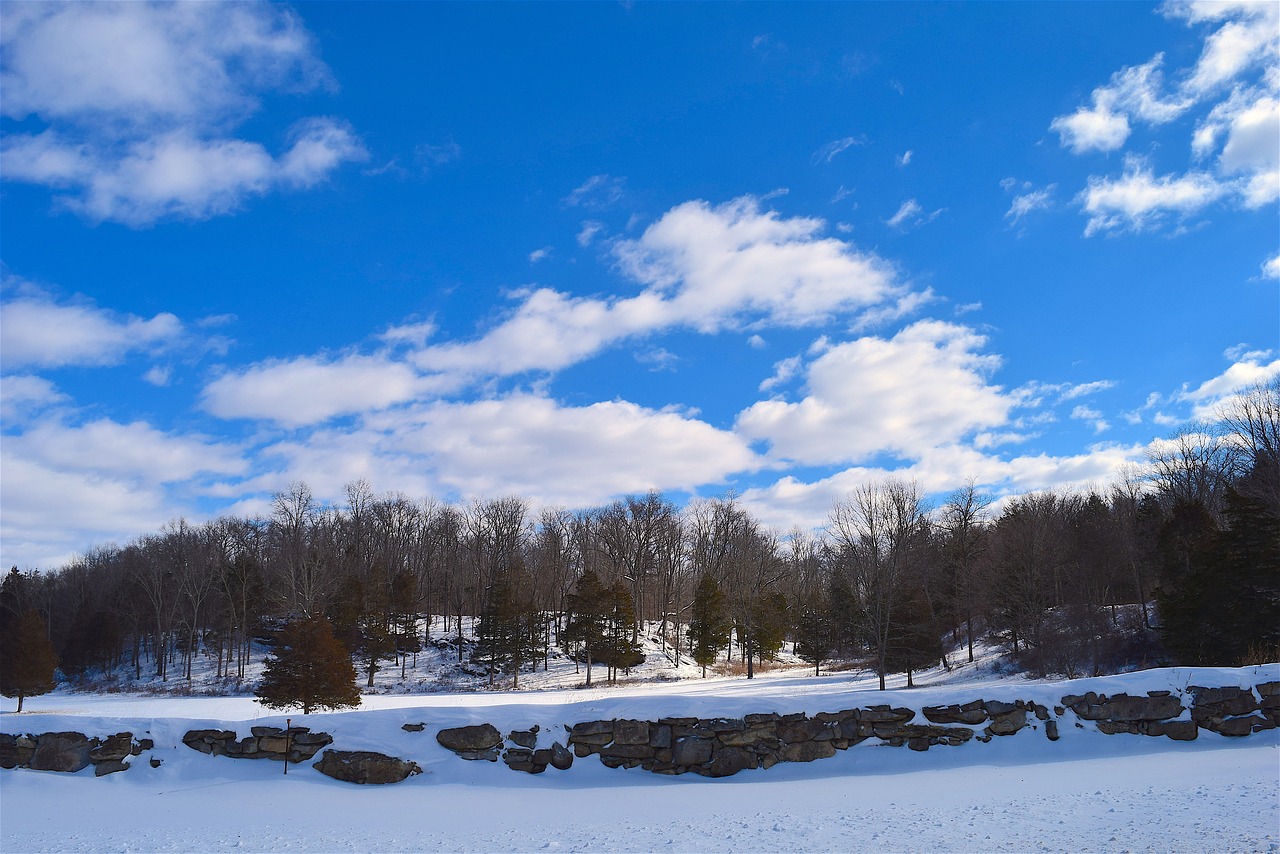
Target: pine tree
(815, 633)
(622, 651)
(27, 659)
(709, 623)
(915, 642)
(588, 606)
(505, 632)
(767, 629)
(310, 668)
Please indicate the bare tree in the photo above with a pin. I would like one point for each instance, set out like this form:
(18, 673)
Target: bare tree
(878, 532)
(964, 522)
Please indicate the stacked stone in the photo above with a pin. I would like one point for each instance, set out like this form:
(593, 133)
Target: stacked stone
(1236, 712)
(483, 741)
(721, 747)
(296, 744)
(70, 752)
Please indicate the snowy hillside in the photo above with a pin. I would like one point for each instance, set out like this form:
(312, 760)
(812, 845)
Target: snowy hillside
(1088, 791)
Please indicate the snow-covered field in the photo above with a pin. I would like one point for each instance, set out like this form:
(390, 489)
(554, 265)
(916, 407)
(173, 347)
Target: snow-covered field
(1086, 792)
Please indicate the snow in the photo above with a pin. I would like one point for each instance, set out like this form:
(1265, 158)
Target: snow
(1086, 792)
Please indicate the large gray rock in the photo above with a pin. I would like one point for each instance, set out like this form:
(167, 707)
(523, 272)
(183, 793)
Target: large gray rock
(806, 751)
(109, 766)
(969, 713)
(481, 741)
(209, 740)
(805, 730)
(16, 750)
(692, 751)
(631, 732)
(1221, 702)
(1007, 723)
(114, 747)
(1123, 707)
(361, 766)
(729, 761)
(61, 751)
(561, 758)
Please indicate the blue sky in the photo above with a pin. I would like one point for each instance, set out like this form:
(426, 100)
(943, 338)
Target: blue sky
(576, 251)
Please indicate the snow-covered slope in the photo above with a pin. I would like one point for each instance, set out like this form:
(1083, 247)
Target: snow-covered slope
(1088, 791)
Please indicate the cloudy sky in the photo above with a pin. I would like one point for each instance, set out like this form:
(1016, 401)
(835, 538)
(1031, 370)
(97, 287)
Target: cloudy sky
(572, 252)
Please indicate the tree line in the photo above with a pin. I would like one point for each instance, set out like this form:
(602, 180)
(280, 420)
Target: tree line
(1179, 560)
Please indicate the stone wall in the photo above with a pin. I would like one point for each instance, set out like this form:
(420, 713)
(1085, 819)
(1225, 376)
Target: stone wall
(295, 744)
(70, 751)
(721, 747)
(711, 747)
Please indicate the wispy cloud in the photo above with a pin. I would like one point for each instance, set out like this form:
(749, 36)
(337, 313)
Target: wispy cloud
(912, 215)
(596, 193)
(832, 149)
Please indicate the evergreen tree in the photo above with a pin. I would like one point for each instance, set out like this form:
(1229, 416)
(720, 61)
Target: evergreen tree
(1220, 600)
(622, 649)
(589, 607)
(709, 623)
(27, 659)
(916, 642)
(506, 633)
(765, 629)
(377, 643)
(815, 633)
(842, 609)
(309, 668)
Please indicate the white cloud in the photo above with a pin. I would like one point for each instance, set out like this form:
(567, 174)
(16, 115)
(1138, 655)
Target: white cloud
(1235, 77)
(1094, 128)
(176, 174)
(783, 372)
(409, 334)
(926, 386)
(1094, 416)
(560, 455)
(596, 193)
(1271, 267)
(137, 100)
(136, 451)
(588, 232)
(909, 210)
(790, 502)
(832, 149)
(36, 331)
(1262, 189)
(905, 158)
(430, 156)
(140, 63)
(911, 215)
(158, 375)
(1025, 203)
(23, 394)
(1251, 369)
(539, 254)
(658, 359)
(1253, 140)
(1132, 92)
(102, 480)
(1253, 37)
(1138, 200)
(1084, 389)
(703, 267)
(308, 390)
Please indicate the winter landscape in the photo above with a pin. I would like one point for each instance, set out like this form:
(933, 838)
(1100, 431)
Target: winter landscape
(639, 426)
(1087, 791)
